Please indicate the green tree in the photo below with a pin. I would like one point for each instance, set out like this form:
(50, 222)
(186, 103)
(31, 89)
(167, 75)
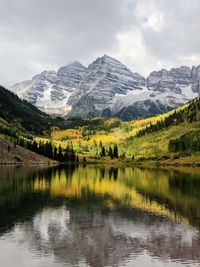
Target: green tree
(115, 152)
(103, 152)
(110, 152)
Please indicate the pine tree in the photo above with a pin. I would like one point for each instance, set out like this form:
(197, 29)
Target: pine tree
(34, 146)
(48, 150)
(55, 153)
(67, 154)
(73, 156)
(103, 151)
(115, 152)
(60, 154)
(110, 152)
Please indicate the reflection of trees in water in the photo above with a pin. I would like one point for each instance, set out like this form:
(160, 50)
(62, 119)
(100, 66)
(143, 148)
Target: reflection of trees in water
(159, 191)
(94, 230)
(111, 172)
(18, 200)
(178, 191)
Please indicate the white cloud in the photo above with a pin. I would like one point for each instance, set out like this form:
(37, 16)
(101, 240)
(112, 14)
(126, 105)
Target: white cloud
(132, 52)
(155, 21)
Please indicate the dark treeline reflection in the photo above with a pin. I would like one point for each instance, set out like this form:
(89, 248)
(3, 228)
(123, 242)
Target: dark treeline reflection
(18, 199)
(174, 194)
(95, 212)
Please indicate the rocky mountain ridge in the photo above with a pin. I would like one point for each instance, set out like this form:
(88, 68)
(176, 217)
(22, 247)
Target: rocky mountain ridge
(108, 88)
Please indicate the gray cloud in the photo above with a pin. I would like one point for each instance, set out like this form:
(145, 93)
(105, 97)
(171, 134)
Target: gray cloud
(144, 34)
(179, 34)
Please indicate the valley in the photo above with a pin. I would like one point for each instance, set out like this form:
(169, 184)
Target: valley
(100, 133)
(171, 138)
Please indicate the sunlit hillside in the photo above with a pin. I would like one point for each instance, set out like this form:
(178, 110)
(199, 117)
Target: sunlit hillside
(132, 138)
(167, 136)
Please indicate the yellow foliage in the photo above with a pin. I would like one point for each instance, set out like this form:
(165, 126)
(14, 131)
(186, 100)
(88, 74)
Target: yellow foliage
(118, 189)
(69, 134)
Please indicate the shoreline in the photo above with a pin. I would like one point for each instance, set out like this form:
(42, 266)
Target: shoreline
(193, 162)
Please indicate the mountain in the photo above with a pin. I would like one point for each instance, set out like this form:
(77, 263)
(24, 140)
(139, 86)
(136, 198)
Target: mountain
(104, 79)
(50, 90)
(108, 88)
(171, 138)
(189, 113)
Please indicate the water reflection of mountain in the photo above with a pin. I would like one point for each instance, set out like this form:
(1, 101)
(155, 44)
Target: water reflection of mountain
(107, 239)
(103, 216)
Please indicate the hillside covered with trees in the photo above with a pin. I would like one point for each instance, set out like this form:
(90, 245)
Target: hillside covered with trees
(24, 115)
(164, 137)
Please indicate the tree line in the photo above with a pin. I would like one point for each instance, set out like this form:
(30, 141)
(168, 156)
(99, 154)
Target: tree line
(48, 150)
(190, 114)
(189, 142)
(111, 152)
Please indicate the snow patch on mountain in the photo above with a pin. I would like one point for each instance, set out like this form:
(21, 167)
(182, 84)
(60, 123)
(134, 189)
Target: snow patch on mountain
(187, 91)
(172, 100)
(107, 84)
(50, 90)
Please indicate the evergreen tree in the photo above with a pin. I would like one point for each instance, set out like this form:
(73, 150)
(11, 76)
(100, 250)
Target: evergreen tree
(34, 146)
(103, 151)
(48, 150)
(115, 152)
(73, 156)
(67, 154)
(55, 153)
(60, 154)
(110, 152)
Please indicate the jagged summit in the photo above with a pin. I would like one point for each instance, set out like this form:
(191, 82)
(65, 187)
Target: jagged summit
(109, 61)
(106, 57)
(74, 63)
(107, 87)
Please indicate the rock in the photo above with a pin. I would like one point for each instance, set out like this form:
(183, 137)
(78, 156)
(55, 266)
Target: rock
(196, 79)
(51, 90)
(182, 75)
(162, 81)
(108, 88)
(105, 78)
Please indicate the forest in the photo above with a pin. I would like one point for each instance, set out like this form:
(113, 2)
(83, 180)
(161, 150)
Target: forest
(170, 135)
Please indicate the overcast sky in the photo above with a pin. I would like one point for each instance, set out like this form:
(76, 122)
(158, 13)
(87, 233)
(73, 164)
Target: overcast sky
(143, 34)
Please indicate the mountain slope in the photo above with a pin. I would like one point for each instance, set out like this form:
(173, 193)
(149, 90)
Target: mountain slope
(50, 90)
(171, 135)
(103, 80)
(172, 138)
(23, 114)
(188, 113)
(14, 154)
(108, 88)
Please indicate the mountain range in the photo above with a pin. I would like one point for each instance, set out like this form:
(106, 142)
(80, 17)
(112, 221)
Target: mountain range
(108, 88)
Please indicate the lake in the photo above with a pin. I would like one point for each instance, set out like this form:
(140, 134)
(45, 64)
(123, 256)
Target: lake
(99, 216)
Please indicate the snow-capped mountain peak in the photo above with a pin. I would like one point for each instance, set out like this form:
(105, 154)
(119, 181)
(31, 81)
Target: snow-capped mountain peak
(108, 88)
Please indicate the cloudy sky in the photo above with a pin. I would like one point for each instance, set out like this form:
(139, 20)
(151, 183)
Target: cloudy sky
(143, 34)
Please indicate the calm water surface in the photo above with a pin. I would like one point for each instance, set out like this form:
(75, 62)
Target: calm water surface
(99, 216)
